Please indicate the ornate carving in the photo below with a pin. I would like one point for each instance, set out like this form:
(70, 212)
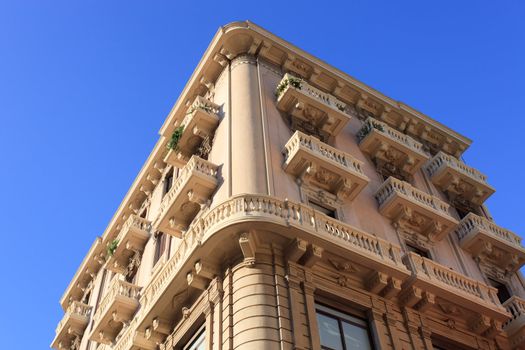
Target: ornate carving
(342, 266)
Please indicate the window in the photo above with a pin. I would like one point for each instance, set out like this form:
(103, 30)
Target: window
(161, 244)
(341, 331)
(168, 181)
(423, 252)
(327, 211)
(197, 341)
(503, 291)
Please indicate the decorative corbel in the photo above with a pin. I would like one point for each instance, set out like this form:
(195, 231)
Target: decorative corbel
(295, 250)
(248, 244)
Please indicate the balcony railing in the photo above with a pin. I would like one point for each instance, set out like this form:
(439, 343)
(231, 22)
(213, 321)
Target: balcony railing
(303, 101)
(118, 305)
(72, 325)
(415, 209)
(389, 146)
(131, 238)
(458, 179)
(515, 327)
(487, 241)
(366, 249)
(200, 122)
(324, 166)
(453, 287)
(192, 189)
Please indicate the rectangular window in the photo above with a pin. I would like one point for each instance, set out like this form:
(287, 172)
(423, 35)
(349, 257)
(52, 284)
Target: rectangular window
(197, 341)
(327, 211)
(160, 246)
(168, 182)
(424, 253)
(341, 331)
(503, 291)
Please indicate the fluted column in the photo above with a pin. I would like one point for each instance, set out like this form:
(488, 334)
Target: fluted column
(248, 164)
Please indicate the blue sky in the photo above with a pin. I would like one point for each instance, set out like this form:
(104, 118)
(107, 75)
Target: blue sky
(85, 87)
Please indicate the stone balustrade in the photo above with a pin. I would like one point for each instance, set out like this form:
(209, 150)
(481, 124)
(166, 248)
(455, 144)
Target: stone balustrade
(391, 148)
(441, 281)
(195, 184)
(324, 166)
(365, 248)
(415, 209)
(120, 302)
(195, 132)
(131, 239)
(311, 105)
(458, 179)
(489, 242)
(73, 324)
(515, 326)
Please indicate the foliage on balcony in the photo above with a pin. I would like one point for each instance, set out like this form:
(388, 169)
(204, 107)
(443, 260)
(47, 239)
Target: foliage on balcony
(175, 137)
(292, 81)
(112, 247)
(367, 127)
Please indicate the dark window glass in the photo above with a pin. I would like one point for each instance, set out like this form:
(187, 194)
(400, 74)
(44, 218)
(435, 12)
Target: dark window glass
(417, 250)
(160, 247)
(197, 342)
(503, 291)
(341, 331)
(168, 182)
(327, 211)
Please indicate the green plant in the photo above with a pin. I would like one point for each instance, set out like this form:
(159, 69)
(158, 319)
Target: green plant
(175, 138)
(112, 247)
(293, 82)
(367, 127)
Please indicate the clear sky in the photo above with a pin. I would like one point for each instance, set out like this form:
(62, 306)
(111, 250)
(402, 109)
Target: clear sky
(86, 85)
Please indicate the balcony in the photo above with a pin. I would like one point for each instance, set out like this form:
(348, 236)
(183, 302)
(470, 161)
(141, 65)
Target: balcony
(116, 308)
(71, 328)
(378, 261)
(131, 240)
(414, 210)
(515, 327)
(458, 180)
(324, 166)
(435, 285)
(390, 149)
(491, 243)
(194, 133)
(192, 190)
(311, 106)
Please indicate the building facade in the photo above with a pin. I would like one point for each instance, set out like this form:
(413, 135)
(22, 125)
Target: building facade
(288, 206)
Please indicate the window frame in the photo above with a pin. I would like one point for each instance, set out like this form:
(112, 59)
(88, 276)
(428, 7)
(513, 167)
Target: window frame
(346, 317)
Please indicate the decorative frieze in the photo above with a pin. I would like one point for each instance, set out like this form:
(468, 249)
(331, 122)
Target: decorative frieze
(322, 111)
(131, 239)
(490, 243)
(72, 326)
(194, 133)
(414, 210)
(393, 152)
(460, 181)
(115, 310)
(324, 166)
(192, 190)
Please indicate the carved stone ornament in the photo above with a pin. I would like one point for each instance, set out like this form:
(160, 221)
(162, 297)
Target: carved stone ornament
(342, 266)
